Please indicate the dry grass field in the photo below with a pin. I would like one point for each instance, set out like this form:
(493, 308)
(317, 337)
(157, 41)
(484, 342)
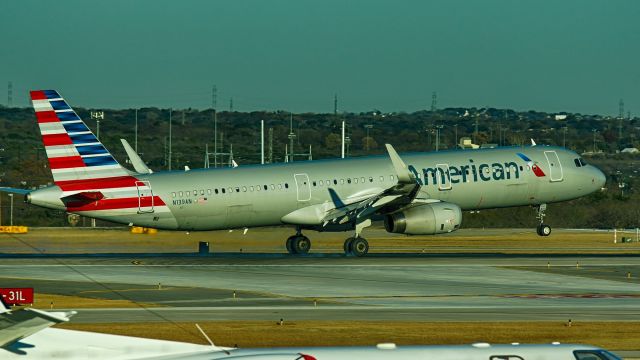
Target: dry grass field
(271, 240)
(610, 335)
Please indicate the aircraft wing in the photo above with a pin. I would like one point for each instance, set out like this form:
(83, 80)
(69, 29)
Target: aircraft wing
(18, 324)
(388, 200)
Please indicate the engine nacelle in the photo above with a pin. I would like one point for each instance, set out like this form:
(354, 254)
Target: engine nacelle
(427, 219)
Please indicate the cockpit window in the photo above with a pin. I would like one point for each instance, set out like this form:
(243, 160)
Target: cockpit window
(582, 162)
(594, 355)
(577, 161)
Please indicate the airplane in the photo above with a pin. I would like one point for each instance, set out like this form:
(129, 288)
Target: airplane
(416, 194)
(26, 334)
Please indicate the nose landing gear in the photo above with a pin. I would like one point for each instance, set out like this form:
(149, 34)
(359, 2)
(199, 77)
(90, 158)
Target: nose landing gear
(542, 229)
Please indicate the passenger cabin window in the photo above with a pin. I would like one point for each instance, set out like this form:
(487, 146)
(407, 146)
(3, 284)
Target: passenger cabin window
(244, 189)
(173, 194)
(266, 188)
(286, 185)
(188, 193)
(216, 190)
(223, 190)
(208, 191)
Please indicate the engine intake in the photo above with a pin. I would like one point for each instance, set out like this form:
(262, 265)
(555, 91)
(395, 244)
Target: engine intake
(428, 219)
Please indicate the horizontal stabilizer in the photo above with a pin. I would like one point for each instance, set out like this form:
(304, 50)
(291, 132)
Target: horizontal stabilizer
(136, 161)
(14, 190)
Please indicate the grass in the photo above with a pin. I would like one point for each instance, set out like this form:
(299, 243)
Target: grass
(49, 301)
(610, 335)
(118, 240)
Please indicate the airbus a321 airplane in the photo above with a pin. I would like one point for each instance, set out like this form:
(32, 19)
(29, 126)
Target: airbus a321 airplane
(420, 193)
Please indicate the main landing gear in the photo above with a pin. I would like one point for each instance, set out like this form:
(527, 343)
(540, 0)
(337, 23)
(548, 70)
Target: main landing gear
(298, 243)
(356, 246)
(542, 229)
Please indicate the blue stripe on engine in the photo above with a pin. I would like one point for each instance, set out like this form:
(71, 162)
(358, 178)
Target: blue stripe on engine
(67, 115)
(59, 105)
(91, 150)
(75, 127)
(83, 138)
(99, 160)
(51, 94)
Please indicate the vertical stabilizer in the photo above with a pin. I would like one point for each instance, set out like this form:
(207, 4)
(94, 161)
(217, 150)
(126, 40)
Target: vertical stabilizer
(74, 152)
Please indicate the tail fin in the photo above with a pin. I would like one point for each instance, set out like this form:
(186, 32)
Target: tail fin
(74, 153)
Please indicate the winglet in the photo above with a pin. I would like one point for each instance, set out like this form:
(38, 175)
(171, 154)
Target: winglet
(337, 202)
(135, 159)
(402, 171)
(533, 143)
(3, 307)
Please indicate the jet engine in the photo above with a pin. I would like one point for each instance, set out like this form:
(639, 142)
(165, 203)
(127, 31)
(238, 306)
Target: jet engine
(427, 219)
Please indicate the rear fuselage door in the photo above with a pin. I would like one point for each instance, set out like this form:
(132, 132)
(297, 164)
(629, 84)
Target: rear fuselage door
(303, 187)
(555, 168)
(145, 197)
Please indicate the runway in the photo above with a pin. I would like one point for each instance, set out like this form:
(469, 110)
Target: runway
(411, 288)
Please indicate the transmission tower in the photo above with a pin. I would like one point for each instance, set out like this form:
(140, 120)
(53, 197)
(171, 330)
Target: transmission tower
(10, 94)
(231, 105)
(434, 101)
(335, 104)
(620, 118)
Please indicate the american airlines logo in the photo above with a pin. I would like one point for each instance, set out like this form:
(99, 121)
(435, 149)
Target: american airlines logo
(444, 174)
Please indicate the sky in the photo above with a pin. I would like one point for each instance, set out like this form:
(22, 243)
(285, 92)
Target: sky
(573, 55)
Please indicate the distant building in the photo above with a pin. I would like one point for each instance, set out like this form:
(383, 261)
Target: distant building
(559, 117)
(465, 143)
(630, 150)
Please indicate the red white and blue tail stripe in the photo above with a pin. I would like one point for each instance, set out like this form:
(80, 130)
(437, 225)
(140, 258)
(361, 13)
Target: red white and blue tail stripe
(74, 152)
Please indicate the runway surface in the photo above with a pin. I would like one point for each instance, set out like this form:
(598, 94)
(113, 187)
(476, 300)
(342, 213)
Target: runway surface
(412, 287)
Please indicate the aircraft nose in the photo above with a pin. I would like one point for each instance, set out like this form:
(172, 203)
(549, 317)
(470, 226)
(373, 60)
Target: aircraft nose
(599, 179)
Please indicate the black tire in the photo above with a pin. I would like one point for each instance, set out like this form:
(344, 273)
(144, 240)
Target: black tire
(347, 246)
(289, 245)
(359, 247)
(545, 230)
(538, 228)
(301, 244)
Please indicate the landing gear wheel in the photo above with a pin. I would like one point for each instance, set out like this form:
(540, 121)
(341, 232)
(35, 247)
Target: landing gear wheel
(289, 245)
(359, 247)
(543, 230)
(301, 244)
(347, 245)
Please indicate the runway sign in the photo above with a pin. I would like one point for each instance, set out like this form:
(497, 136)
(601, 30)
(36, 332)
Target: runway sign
(17, 296)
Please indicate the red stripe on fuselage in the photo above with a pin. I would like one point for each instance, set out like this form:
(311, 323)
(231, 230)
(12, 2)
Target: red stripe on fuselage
(38, 95)
(56, 139)
(46, 117)
(96, 184)
(114, 204)
(66, 162)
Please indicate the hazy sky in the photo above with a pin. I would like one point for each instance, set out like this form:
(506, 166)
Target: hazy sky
(578, 55)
